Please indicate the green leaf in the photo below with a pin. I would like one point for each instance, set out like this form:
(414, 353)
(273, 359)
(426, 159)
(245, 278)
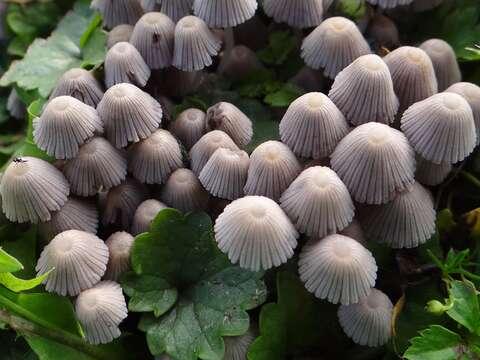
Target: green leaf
(435, 343)
(94, 44)
(34, 20)
(20, 242)
(465, 309)
(280, 45)
(354, 9)
(283, 96)
(15, 284)
(49, 350)
(8, 263)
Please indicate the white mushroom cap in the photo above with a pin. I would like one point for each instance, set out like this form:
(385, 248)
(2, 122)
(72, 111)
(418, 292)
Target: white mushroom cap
(145, 214)
(78, 259)
(65, 124)
(296, 13)
(273, 167)
(129, 114)
(32, 189)
(255, 232)
(337, 268)
(189, 126)
(224, 13)
(375, 162)
(369, 321)
(333, 45)
(440, 128)
(389, 3)
(312, 126)
(354, 230)
(236, 347)
(119, 245)
(100, 311)
(363, 91)
(431, 174)
(318, 202)
(118, 12)
(153, 36)
(119, 33)
(175, 9)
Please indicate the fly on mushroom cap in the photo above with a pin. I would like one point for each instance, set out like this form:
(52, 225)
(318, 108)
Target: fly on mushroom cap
(318, 202)
(129, 114)
(368, 322)
(337, 268)
(144, 215)
(296, 13)
(255, 232)
(120, 33)
(206, 146)
(224, 13)
(225, 173)
(363, 91)
(98, 165)
(15, 106)
(151, 161)
(119, 245)
(236, 347)
(333, 45)
(124, 64)
(100, 310)
(79, 260)
(65, 124)
(273, 167)
(313, 126)
(189, 126)
(153, 36)
(242, 62)
(32, 189)
(431, 174)
(389, 3)
(444, 62)
(440, 128)
(375, 162)
(118, 12)
(354, 230)
(183, 191)
(195, 44)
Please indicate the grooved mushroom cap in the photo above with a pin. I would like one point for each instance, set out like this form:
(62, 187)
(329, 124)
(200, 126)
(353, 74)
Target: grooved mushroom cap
(117, 12)
(189, 126)
(98, 165)
(312, 126)
(153, 36)
(375, 162)
(15, 106)
(337, 268)
(255, 232)
(424, 5)
(387, 4)
(354, 230)
(78, 259)
(333, 45)
(273, 167)
(119, 245)
(224, 13)
(120, 33)
(440, 128)
(444, 62)
(296, 13)
(151, 161)
(363, 91)
(236, 347)
(32, 189)
(369, 321)
(183, 191)
(195, 44)
(124, 64)
(100, 310)
(144, 215)
(225, 173)
(317, 202)
(431, 174)
(129, 114)
(412, 74)
(227, 117)
(175, 9)
(65, 124)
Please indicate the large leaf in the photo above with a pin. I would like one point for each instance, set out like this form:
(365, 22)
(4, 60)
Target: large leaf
(465, 308)
(8, 263)
(15, 284)
(435, 343)
(20, 242)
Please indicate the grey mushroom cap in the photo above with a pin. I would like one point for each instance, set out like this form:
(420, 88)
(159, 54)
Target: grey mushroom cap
(120, 33)
(119, 246)
(178, 83)
(145, 214)
(189, 126)
(296, 13)
(15, 106)
(354, 230)
(384, 31)
(117, 12)
(124, 64)
(431, 174)
(387, 4)
(242, 62)
(308, 79)
(224, 13)
(174, 9)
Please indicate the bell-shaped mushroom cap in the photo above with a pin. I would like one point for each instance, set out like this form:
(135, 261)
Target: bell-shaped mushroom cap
(424, 5)
(296, 13)
(129, 114)
(369, 321)
(236, 347)
(120, 33)
(363, 91)
(195, 44)
(98, 165)
(100, 311)
(32, 189)
(333, 45)
(15, 106)
(151, 161)
(318, 202)
(273, 167)
(230, 119)
(354, 230)
(153, 36)
(78, 259)
(183, 191)
(386, 4)
(119, 245)
(440, 128)
(224, 13)
(444, 62)
(337, 268)
(431, 174)
(225, 173)
(375, 162)
(189, 126)
(242, 62)
(122, 201)
(384, 31)
(255, 232)
(412, 74)
(206, 146)
(406, 222)
(65, 124)
(124, 64)
(313, 126)
(117, 12)
(144, 215)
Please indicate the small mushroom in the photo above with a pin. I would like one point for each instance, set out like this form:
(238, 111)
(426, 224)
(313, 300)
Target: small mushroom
(124, 64)
(224, 13)
(384, 31)
(388, 4)
(119, 245)
(297, 13)
(189, 126)
(178, 83)
(145, 214)
(431, 174)
(174, 9)
(242, 62)
(117, 12)
(354, 230)
(15, 106)
(120, 33)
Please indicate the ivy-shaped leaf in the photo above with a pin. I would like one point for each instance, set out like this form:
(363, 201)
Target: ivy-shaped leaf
(435, 343)
(465, 308)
